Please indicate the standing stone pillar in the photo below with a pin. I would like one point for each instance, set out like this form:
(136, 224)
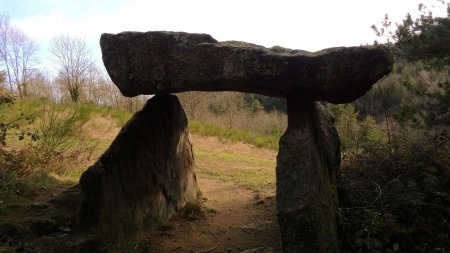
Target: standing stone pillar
(307, 166)
(145, 175)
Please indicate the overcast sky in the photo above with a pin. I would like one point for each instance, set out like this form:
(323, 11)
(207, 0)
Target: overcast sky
(301, 24)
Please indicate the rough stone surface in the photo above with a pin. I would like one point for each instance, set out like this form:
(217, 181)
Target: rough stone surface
(307, 166)
(154, 62)
(146, 174)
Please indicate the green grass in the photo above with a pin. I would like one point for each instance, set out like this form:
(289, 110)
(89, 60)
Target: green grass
(230, 158)
(254, 172)
(86, 111)
(44, 110)
(269, 141)
(248, 171)
(121, 115)
(257, 180)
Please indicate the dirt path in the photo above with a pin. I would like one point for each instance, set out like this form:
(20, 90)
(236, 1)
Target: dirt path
(239, 219)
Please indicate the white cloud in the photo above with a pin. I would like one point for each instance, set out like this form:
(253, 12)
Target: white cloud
(307, 24)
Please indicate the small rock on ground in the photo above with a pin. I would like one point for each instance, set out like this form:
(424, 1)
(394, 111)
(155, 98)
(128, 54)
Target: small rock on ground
(259, 250)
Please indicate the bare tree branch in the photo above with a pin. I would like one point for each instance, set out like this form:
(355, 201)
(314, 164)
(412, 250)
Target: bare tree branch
(73, 62)
(18, 53)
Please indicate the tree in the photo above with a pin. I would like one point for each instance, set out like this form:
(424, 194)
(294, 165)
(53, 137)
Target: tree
(228, 104)
(18, 53)
(73, 62)
(94, 82)
(426, 41)
(22, 59)
(347, 125)
(2, 78)
(4, 42)
(268, 103)
(40, 85)
(370, 133)
(191, 101)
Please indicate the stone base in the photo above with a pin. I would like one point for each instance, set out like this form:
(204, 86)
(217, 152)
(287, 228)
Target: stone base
(145, 176)
(307, 166)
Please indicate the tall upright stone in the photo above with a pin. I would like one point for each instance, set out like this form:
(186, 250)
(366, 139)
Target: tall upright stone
(145, 176)
(307, 168)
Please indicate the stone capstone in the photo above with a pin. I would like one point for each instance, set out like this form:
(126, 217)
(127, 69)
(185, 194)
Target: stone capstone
(145, 176)
(155, 62)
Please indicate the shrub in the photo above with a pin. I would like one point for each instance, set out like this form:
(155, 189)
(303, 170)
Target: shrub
(396, 196)
(370, 133)
(59, 128)
(346, 124)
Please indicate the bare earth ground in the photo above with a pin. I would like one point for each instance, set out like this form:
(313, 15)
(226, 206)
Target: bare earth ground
(240, 214)
(241, 220)
(238, 218)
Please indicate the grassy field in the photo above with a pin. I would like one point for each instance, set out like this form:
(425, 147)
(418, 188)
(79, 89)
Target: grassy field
(247, 170)
(95, 127)
(269, 141)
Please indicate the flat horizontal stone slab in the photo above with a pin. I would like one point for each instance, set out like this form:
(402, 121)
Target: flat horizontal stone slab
(155, 62)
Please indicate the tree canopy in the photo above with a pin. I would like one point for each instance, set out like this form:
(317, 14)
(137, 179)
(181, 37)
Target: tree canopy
(424, 41)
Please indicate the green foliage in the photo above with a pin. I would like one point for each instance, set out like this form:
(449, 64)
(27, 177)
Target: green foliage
(396, 196)
(264, 102)
(254, 179)
(59, 129)
(74, 93)
(255, 106)
(384, 97)
(425, 40)
(269, 141)
(347, 125)
(370, 133)
(14, 123)
(193, 210)
(433, 110)
(88, 110)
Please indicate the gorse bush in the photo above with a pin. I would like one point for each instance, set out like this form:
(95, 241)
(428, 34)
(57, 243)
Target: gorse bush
(55, 131)
(59, 127)
(355, 135)
(396, 196)
(56, 127)
(370, 133)
(16, 123)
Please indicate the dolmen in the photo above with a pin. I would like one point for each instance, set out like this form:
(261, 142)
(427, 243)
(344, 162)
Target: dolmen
(147, 173)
